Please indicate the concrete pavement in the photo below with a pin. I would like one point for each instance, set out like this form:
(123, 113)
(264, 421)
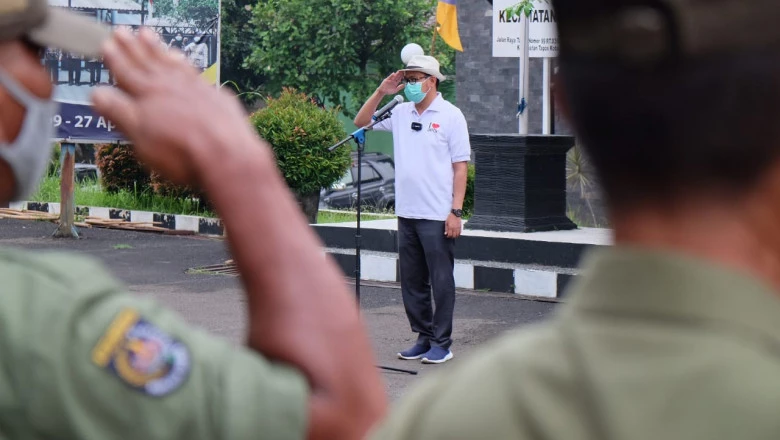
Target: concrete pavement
(157, 265)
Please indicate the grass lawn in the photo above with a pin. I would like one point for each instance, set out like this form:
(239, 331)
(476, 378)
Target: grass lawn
(347, 216)
(93, 195)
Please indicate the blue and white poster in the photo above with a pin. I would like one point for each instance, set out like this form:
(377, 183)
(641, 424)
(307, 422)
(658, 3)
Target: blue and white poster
(80, 122)
(190, 26)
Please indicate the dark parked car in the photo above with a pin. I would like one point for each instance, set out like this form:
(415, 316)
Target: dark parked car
(85, 172)
(378, 188)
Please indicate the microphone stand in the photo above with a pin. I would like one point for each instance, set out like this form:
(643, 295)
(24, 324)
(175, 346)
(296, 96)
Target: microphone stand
(360, 138)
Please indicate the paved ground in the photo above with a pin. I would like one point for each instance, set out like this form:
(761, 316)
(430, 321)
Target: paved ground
(156, 265)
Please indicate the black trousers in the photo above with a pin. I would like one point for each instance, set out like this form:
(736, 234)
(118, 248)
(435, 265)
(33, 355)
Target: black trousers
(54, 70)
(427, 263)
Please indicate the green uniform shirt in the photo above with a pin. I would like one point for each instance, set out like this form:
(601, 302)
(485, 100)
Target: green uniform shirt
(650, 346)
(80, 359)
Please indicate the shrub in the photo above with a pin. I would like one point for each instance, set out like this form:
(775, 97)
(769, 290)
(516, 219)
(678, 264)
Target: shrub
(164, 188)
(583, 194)
(468, 200)
(300, 133)
(120, 170)
(54, 162)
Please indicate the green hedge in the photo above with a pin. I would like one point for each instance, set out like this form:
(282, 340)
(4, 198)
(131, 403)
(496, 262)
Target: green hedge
(120, 169)
(300, 132)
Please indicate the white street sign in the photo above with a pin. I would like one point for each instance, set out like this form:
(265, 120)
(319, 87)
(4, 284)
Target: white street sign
(543, 34)
(540, 31)
(507, 32)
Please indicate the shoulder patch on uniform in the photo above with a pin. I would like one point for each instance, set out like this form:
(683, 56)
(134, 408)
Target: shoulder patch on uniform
(145, 357)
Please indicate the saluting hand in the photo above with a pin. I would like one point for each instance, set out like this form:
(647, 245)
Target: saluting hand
(392, 84)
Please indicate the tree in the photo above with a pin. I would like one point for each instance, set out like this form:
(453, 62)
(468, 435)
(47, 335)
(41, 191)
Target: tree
(337, 49)
(525, 7)
(188, 12)
(236, 41)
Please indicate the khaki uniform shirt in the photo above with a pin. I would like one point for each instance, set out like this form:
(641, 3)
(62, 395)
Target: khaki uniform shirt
(80, 359)
(650, 346)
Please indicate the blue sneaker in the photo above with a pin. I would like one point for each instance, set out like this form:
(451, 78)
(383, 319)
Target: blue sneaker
(436, 355)
(415, 352)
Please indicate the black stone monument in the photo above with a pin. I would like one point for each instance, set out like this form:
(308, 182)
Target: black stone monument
(520, 183)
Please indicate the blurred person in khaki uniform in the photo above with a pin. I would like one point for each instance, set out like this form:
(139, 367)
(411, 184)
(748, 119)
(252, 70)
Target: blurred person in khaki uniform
(673, 333)
(80, 358)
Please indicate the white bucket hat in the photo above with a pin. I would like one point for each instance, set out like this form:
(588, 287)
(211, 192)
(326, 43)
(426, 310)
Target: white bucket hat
(425, 64)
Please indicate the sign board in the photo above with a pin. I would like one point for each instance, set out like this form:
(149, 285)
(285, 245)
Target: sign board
(507, 32)
(188, 26)
(79, 121)
(543, 33)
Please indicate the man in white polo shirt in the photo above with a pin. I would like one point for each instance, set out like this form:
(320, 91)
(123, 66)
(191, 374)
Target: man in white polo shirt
(432, 150)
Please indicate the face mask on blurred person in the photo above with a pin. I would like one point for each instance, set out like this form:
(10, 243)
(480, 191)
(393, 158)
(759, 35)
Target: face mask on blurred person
(29, 154)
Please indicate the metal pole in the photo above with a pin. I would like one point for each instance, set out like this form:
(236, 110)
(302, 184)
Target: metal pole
(219, 45)
(433, 40)
(546, 107)
(358, 238)
(523, 79)
(67, 229)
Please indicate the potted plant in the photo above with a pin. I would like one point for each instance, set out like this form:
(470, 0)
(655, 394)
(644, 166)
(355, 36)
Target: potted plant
(300, 132)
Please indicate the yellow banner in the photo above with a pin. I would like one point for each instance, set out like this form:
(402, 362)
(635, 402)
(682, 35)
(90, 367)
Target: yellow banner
(210, 74)
(447, 16)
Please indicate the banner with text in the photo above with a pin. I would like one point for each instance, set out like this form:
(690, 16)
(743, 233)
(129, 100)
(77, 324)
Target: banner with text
(78, 122)
(508, 31)
(543, 33)
(191, 27)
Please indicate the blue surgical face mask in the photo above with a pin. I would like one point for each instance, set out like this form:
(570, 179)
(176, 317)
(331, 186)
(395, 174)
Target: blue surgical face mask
(414, 92)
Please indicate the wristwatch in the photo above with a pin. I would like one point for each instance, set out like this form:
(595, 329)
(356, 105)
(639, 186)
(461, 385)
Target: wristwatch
(458, 212)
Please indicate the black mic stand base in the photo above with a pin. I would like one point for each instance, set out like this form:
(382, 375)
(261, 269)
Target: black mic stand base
(400, 370)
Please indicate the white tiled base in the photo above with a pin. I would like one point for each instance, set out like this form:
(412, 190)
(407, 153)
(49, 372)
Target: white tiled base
(464, 276)
(377, 268)
(536, 283)
(141, 216)
(99, 212)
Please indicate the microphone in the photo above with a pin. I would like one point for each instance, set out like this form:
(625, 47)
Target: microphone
(391, 105)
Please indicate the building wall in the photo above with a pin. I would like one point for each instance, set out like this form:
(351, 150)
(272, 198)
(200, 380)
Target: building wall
(488, 87)
(488, 96)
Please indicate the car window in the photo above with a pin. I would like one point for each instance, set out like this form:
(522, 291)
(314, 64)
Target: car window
(346, 179)
(369, 174)
(385, 168)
